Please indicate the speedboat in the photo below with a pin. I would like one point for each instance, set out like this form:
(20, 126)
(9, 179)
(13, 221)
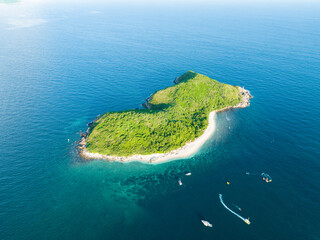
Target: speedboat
(180, 183)
(247, 221)
(188, 174)
(206, 223)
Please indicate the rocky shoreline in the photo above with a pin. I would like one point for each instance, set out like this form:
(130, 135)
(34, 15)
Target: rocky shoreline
(186, 151)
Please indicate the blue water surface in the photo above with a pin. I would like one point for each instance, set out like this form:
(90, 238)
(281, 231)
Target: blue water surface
(63, 64)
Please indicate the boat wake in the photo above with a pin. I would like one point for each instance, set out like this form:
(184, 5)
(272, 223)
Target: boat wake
(246, 220)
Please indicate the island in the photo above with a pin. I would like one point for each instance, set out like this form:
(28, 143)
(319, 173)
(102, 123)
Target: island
(175, 123)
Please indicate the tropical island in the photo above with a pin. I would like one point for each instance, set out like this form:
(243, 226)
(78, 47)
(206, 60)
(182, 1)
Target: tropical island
(175, 123)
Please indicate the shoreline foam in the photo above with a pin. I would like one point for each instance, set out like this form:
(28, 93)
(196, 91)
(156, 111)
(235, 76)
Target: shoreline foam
(186, 151)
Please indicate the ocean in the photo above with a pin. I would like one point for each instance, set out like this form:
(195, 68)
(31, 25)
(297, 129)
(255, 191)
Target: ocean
(62, 64)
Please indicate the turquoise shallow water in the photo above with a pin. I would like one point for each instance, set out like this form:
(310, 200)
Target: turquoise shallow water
(62, 65)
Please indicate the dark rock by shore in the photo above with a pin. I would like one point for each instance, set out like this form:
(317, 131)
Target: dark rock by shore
(176, 80)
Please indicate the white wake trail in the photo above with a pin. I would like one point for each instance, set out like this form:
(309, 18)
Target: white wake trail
(246, 220)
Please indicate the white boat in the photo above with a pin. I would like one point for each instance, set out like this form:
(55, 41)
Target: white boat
(180, 183)
(206, 223)
(188, 174)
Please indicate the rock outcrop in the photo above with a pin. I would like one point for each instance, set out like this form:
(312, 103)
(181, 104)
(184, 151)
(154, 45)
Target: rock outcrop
(246, 96)
(146, 104)
(176, 80)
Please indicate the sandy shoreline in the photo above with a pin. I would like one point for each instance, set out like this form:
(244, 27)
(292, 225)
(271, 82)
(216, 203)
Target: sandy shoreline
(184, 152)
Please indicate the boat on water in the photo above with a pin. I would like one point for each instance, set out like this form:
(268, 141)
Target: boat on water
(206, 223)
(188, 174)
(180, 183)
(266, 177)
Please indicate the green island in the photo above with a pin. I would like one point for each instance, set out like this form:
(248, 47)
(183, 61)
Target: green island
(173, 116)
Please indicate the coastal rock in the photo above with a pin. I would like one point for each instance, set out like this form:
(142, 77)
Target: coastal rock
(246, 96)
(83, 135)
(146, 104)
(176, 80)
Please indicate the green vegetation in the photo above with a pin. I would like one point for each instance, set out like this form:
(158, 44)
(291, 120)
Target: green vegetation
(177, 115)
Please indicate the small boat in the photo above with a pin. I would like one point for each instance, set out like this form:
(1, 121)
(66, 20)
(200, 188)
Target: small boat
(247, 221)
(180, 183)
(188, 174)
(266, 177)
(206, 223)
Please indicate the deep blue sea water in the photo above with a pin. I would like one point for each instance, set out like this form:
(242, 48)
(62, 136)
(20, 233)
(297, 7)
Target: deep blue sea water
(63, 64)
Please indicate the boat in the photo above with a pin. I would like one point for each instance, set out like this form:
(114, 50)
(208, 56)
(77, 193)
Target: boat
(266, 177)
(188, 174)
(180, 183)
(206, 223)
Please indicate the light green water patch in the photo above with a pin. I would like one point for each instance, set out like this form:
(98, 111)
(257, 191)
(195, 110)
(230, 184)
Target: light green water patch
(105, 195)
(94, 192)
(138, 182)
(9, 1)
(120, 191)
(76, 124)
(225, 125)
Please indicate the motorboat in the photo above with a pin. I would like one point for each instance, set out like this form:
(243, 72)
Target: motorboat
(206, 223)
(247, 221)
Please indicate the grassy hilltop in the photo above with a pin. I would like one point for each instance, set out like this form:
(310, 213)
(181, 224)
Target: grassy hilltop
(177, 115)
